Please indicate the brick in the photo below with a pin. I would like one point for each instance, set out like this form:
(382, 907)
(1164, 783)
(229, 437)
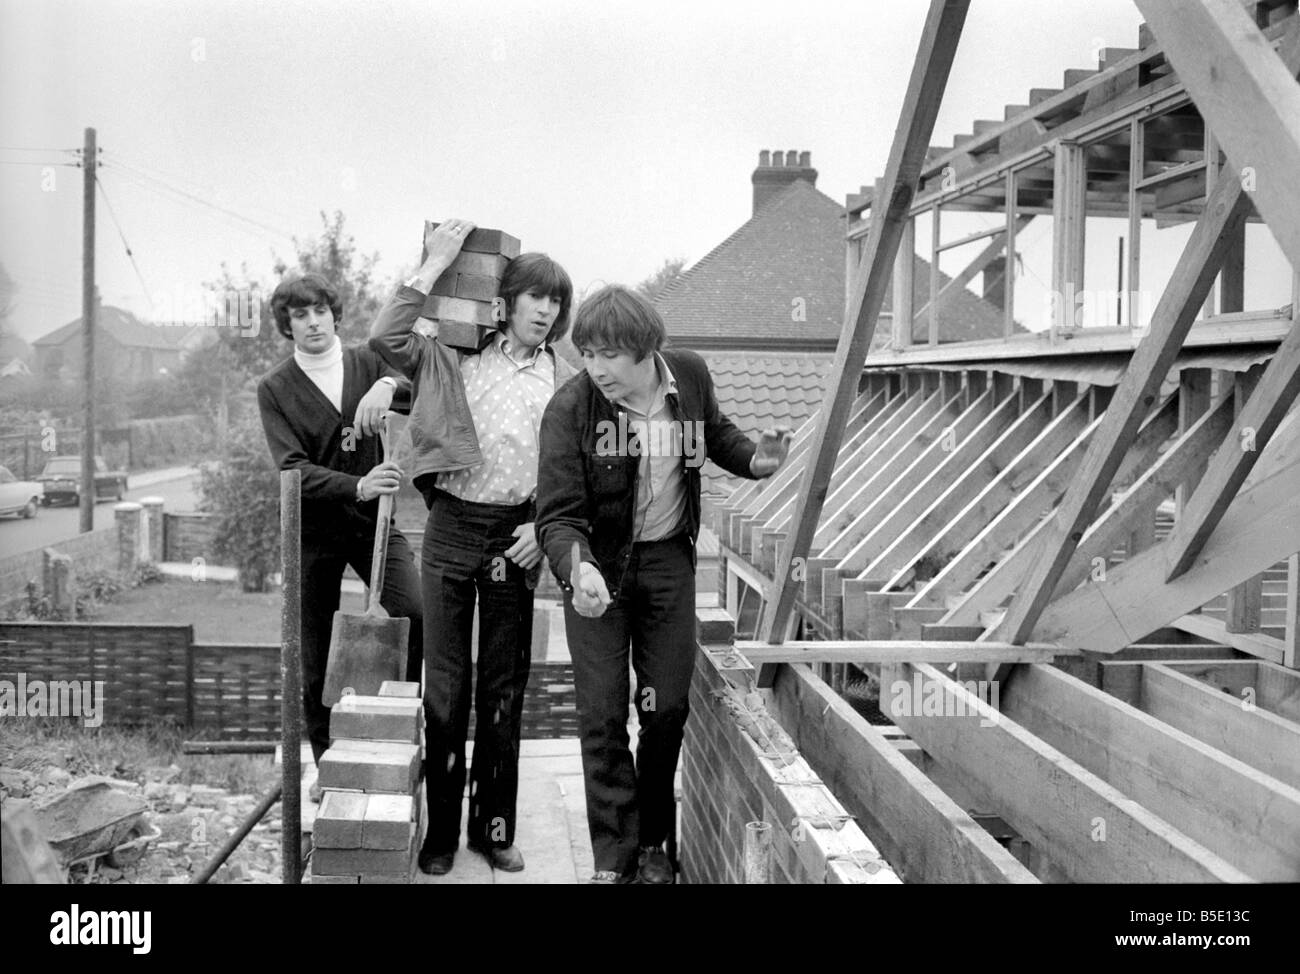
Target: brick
(446, 283)
(317, 880)
(338, 822)
(484, 241)
(477, 287)
(399, 688)
(388, 822)
(362, 862)
(394, 880)
(465, 334)
(458, 309)
(485, 265)
(371, 766)
(377, 718)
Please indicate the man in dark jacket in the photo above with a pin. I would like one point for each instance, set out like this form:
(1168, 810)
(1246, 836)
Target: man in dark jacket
(618, 512)
(321, 409)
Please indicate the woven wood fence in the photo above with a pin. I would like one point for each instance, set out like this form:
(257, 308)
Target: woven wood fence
(217, 691)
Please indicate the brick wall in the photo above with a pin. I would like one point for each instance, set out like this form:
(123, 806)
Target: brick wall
(187, 536)
(729, 779)
(91, 552)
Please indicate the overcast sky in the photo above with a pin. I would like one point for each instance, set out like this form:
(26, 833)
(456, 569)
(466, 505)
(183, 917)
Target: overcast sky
(610, 135)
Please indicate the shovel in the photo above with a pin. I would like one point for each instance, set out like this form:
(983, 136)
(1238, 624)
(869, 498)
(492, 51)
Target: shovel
(365, 650)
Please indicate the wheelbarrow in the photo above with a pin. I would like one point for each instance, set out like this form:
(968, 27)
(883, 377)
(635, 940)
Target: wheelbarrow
(93, 819)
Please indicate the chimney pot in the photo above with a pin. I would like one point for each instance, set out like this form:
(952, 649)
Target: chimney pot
(764, 159)
(805, 159)
(792, 158)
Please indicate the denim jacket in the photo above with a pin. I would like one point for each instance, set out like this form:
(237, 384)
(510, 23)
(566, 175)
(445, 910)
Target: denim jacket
(587, 495)
(442, 431)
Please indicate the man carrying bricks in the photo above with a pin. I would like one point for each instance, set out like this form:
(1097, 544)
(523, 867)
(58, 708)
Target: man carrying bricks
(618, 512)
(321, 409)
(474, 431)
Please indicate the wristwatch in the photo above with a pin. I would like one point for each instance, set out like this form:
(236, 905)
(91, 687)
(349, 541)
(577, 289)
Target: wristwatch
(360, 498)
(413, 282)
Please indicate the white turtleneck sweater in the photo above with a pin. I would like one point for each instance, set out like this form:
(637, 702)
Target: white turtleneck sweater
(325, 369)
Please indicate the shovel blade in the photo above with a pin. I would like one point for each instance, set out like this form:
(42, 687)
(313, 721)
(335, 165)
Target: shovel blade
(365, 651)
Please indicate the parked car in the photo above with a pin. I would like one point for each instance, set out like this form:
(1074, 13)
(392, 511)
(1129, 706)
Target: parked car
(19, 496)
(62, 481)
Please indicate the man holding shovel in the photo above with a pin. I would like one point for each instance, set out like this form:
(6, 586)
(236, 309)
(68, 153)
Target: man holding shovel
(321, 410)
(474, 427)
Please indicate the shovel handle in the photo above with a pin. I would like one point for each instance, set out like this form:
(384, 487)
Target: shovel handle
(379, 556)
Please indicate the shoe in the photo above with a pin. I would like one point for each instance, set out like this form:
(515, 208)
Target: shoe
(654, 868)
(506, 858)
(436, 863)
(608, 877)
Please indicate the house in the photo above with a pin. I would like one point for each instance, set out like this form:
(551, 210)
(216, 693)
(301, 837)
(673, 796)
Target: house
(765, 307)
(125, 347)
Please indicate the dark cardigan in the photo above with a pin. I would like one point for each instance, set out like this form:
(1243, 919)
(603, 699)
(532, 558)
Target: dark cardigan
(305, 432)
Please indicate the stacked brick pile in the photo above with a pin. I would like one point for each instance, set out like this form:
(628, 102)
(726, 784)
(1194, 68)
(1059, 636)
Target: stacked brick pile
(461, 300)
(368, 826)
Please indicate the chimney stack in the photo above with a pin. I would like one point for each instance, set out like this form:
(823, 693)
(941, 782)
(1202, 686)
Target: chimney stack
(777, 169)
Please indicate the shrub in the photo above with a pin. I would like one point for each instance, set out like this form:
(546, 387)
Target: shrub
(242, 491)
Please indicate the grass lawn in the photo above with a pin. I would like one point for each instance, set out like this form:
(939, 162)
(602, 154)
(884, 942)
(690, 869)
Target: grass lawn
(218, 611)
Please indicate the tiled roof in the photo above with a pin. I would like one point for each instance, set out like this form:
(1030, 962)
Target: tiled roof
(126, 329)
(757, 391)
(793, 248)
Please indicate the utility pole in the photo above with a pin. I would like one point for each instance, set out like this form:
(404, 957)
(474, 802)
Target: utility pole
(89, 166)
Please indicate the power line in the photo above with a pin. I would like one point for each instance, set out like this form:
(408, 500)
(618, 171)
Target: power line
(140, 175)
(19, 162)
(185, 183)
(28, 148)
(126, 246)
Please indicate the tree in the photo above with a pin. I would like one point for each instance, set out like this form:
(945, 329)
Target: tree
(661, 280)
(242, 492)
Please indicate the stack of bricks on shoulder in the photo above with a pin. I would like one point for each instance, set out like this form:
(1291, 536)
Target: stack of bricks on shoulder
(461, 307)
(368, 827)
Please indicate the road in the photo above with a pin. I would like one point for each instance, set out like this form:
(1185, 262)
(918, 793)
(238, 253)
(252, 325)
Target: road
(52, 524)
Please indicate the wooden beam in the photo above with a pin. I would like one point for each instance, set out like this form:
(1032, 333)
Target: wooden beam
(981, 260)
(1046, 796)
(903, 284)
(1002, 579)
(967, 484)
(880, 525)
(1246, 601)
(1193, 402)
(1070, 175)
(960, 544)
(1232, 461)
(1142, 499)
(934, 59)
(1207, 627)
(865, 651)
(1291, 641)
(1259, 738)
(923, 833)
(1137, 391)
(1249, 818)
(1259, 529)
(1246, 94)
(1266, 685)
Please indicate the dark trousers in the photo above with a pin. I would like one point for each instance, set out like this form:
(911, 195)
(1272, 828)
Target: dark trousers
(464, 558)
(631, 805)
(323, 561)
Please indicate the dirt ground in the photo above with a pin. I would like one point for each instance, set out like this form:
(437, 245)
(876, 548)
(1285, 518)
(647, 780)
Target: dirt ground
(194, 801)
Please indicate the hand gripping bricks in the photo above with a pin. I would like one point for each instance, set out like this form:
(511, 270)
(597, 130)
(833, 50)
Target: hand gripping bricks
(461, 300)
